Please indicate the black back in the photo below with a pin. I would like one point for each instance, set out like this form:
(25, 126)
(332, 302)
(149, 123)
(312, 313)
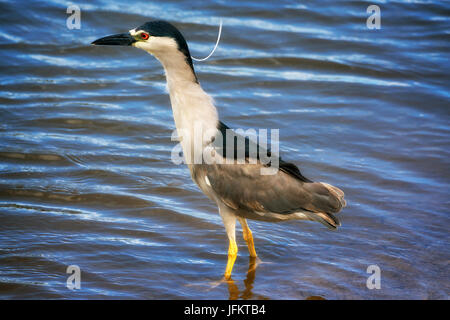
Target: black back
(284, 166)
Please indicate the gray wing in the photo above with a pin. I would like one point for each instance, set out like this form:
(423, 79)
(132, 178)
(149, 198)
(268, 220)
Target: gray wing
(243, 188)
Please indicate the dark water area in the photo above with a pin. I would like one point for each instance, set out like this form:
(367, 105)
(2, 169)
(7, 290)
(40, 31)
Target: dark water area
(86, 176)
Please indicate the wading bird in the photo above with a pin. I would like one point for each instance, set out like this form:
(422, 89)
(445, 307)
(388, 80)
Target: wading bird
(239, 189)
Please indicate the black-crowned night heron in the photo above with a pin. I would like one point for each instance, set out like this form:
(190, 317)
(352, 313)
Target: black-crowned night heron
(239, 188)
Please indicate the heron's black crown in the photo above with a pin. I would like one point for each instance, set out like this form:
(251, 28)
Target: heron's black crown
(162, 28)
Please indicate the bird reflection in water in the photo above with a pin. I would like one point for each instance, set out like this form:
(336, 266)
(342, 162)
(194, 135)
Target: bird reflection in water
(233, 289)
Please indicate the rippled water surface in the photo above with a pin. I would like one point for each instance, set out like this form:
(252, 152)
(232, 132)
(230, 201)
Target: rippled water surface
(86, 176)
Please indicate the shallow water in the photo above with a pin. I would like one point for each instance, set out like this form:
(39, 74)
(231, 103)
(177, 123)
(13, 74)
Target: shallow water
(86, 176)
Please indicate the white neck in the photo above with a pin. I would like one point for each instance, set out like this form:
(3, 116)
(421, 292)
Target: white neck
(193, 109)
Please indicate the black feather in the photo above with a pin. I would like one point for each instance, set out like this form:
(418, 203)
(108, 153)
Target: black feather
(286, 167)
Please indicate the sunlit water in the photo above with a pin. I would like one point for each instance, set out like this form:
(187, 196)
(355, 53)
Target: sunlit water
(86, 176)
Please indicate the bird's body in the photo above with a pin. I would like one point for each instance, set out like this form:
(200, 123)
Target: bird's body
(238, 188)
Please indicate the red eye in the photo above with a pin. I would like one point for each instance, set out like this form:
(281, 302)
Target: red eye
(145, 36)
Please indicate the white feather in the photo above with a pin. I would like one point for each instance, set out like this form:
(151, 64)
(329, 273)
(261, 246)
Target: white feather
(193, 109)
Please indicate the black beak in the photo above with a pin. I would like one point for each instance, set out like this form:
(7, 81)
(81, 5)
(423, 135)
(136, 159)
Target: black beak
(121, 39)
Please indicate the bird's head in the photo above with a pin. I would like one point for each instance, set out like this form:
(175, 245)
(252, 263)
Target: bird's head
(159, 38)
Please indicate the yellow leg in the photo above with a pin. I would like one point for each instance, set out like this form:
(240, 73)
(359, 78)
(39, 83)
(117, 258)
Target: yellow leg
(248, 237)
(232, 254)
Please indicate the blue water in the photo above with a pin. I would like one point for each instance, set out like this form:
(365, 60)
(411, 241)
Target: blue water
(86, 176)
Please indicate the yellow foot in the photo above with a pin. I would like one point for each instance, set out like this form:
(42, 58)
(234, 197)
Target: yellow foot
(251, 246)
(248, 237)
(232, 254)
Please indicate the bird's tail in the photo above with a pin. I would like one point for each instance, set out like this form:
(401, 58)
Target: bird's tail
(327, 200)
(327, 219)
(338, 193)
